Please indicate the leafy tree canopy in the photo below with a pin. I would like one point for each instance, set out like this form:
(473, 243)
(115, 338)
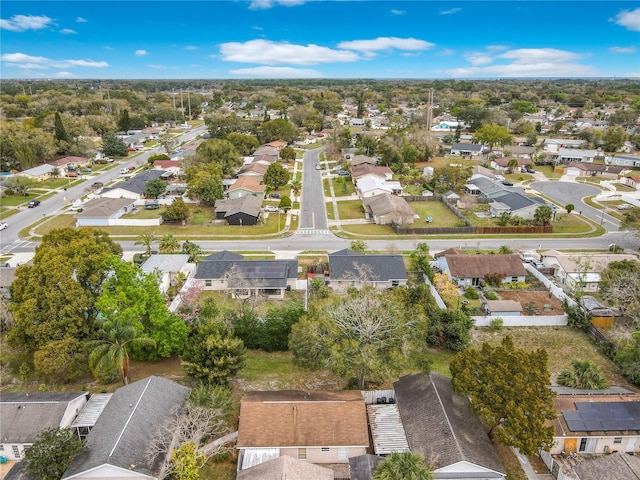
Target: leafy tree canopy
(276, 176)
(51, 453)
(508, 391)
(402, 466)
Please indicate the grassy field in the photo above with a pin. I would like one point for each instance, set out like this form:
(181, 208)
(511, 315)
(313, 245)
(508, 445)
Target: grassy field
(441, 215)
(343, 187)
(350, 209)
(369, 229)
(326, 185)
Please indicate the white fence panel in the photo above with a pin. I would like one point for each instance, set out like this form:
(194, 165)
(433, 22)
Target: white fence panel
(522, 320)
(122, 222)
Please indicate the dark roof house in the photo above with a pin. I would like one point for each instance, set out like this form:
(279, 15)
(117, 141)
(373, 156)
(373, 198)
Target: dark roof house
(117, 445)
(132, 187)
(382, 271)
(242, 211)
(441, 427)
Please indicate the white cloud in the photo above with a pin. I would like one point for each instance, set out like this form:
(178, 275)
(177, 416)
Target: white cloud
(478, 58)
(266, 52)
(630, 49)
(81, 20)
(397, 12)
(527, 56)
(445, 52)
(526, 62)
(191, 47)
(141, 53)
(450, 11)
(496, 48)
(386, 43)
(265, 4)
(629, 19)
(23, 60)
(276, 72)
(68, 31)
(21, 23)
(65, 75)
(159, 67)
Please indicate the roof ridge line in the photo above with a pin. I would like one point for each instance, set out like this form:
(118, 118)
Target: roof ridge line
(130, 416)
(446, 416)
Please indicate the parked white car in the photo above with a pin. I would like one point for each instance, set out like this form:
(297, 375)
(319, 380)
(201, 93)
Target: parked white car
(3, 225)
(271, 208)
(124, 171)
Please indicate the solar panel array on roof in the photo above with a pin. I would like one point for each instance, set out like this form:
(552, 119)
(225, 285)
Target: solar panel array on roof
(603, 416)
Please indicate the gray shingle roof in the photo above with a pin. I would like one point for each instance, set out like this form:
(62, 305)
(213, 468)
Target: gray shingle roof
(248, 204)
(516, 201)
(24, 415)
(121, 435)
(617, 466)
(262, 273)
(344, 263)
(137, 183)
(363, 466)
(165, 263)
(471, 147)
(440, 425)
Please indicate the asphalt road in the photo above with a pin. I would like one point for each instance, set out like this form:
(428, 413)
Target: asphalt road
(313, 213)
(565, 193)
(9, 239)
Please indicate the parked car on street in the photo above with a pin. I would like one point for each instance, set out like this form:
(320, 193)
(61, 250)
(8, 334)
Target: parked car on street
(33, 203)
(97, 185)
(124, 171)
(3, 225)
(624, 206)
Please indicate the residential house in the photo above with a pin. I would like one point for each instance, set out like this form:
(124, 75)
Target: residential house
(172, 166)
(385, 209)
(356, 122)
(471, 270)
(253, 170)
(321, 427)
(448, 126)
(286, 467)
(483, 187)
(24, 415)
(573, 270)
(596, 421)
(348, 268)
(440, 426)
(502, 164)
(516, 204)
(264, 159)
(370, 186)
(571, 155)
(118, 444)
(594, 169)
(364, 169)
(266, 150)
(168, 268)
(626, 160)
(66, 162)
(466, 149)
(246, 186)
(521, 152)
(102, 212)
(133, 187)
(41, 172)
(360, 159)
(616, 466)
(242, 211)
(277, 144)
(231, 272)
(555, 144)
(631, 181)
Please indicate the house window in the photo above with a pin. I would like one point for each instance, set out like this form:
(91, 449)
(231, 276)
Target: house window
(208, 283)
(325, 449)
(617, 440)
(343, 453)
(16, 451)
(1, 448)
(302, 454)
(514, 279)
(395, 283)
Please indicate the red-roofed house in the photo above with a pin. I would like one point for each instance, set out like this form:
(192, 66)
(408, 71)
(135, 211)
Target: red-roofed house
(172, 166)
(245, 186)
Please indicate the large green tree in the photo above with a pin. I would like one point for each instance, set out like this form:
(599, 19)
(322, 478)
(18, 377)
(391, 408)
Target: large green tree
(55, 297)
(492, 135)
(244, 144)
(213, 354)
(620, 286)
(508, 390)
(52, 452)
(276, 176)
(178, 211)
(278, 129)
(204, 182)
(155, 188)
(402, 466)
(543, 215)
(219, 152)
(365, 336)
(133, 297)
(113, 145)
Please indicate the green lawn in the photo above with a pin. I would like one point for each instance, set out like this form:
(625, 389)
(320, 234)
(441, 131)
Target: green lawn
(15, 200)
(369, 229)
(441, 215)
(350, 209)
(326, 185)
(343, 187)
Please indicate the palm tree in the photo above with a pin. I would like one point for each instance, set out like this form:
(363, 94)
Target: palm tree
(147, 240)
(512, 164)
(192, 249)
(295, 188)
(110, 349)
(402, 466)
(169, 243)
(583, 374)
(543, 214)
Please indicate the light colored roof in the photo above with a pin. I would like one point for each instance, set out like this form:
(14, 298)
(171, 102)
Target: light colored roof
(104, 207)
(504, 306)
(286, 468)
(617, 466)
(577, 152)
(386, 429)
(367, 184)
(251, 184)
(290, 418)
(92, 410)
(586, 262)
(44, 169)
(165, 263)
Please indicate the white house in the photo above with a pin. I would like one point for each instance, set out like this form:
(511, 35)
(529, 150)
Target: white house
(168, 267)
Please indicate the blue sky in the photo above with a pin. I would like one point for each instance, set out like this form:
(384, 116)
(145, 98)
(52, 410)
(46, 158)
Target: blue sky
(319, 39)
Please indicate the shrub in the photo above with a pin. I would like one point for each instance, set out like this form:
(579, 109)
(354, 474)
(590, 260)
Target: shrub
(496, 324)
(471, 293)
(491, 296)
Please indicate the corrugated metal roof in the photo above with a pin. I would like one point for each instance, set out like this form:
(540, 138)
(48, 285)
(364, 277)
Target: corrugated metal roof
(92, 410)
(386, 429)
(256, 456)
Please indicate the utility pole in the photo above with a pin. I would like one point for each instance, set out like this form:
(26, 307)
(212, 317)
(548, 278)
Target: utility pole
(189, 103)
